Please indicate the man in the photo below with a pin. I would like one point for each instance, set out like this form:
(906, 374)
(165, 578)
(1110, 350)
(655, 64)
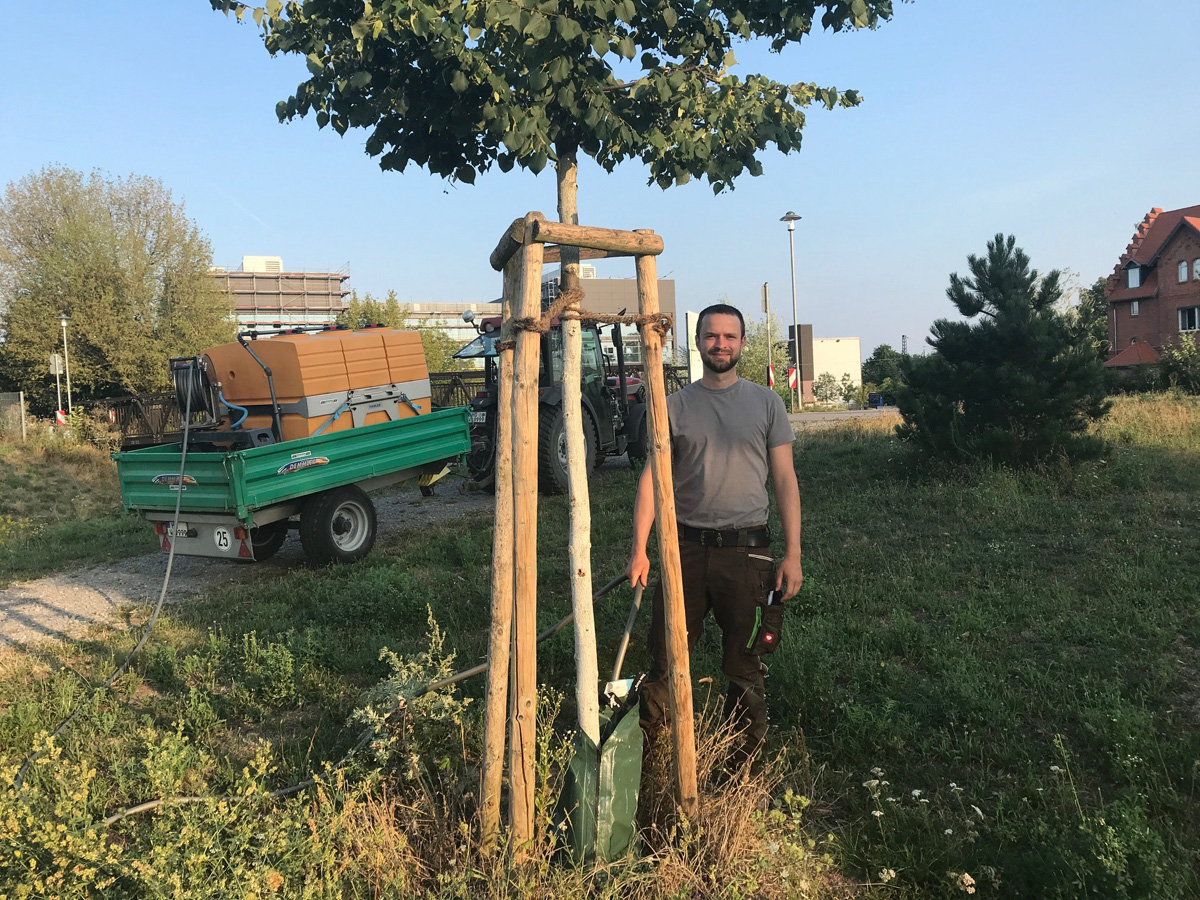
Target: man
(726, 433)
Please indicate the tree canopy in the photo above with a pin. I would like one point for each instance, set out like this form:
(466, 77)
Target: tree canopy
(457, 86)
(121, 258)
(1016, 384)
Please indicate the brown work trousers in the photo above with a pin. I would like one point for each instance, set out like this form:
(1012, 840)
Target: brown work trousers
(732, 582)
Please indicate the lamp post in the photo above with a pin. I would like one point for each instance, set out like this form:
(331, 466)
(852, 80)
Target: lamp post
(63, 320)
(791, 218)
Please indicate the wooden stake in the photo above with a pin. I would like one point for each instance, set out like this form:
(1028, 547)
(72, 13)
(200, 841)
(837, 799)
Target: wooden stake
(523, 737)
(639, 242)
(500, 636)
(587, 671)
(678, 665)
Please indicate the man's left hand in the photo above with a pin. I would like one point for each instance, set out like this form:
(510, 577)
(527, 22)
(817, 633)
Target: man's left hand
(792, 572)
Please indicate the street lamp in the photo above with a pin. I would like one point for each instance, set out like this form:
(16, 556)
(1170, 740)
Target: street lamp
(63, 320)
(791, 218)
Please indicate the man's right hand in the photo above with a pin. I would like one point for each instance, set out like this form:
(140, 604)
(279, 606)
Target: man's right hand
(639, 568)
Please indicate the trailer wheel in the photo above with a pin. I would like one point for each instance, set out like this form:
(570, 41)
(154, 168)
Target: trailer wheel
(266, 540)
(338, 526)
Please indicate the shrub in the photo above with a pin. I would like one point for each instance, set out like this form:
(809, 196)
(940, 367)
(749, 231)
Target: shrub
(1180, 364)
(1016, 385)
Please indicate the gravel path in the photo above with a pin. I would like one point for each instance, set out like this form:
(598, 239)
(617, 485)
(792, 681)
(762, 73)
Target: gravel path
(62, 606)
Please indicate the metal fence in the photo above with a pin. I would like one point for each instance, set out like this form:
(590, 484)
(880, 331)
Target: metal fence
(12, 414)
(145, 419)
(455, 388)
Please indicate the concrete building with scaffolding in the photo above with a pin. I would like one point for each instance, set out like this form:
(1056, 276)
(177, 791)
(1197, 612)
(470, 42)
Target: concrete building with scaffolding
(264, 294)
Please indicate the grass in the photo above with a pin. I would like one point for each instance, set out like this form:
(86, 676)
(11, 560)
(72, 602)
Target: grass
(990, 684)
(59, 506)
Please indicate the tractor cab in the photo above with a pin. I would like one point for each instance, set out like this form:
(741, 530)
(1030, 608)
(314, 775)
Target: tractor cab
(613, 416)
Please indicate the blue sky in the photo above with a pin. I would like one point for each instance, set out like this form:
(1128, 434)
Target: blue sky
(1062, 123)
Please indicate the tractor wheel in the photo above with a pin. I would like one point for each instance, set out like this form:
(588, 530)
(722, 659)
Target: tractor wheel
(552, 449)
(638, 447)
(265, 540)
(481, 458)
(338, 526)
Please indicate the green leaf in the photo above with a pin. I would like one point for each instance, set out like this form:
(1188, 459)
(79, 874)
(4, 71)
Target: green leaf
(281, 110)
(670, 17)
(626, 47)
(258, 15)
(858, 9)
(465, 173)
(314, 64)
(538, 80)
(625, 10)
(322, 119)
(274, 8)
(360, 79)
(458, 82)
(473, 32)
(568, 29)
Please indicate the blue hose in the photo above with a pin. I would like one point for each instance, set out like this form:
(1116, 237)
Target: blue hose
(245, 412)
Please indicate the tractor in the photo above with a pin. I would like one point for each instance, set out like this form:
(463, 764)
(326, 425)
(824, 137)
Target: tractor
(614, 407)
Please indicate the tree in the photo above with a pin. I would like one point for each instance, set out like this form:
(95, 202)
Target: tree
(1180, 364)
(1015, 385)
(458, 87)
(1090, 318)
(826, 388)
(753, 363)
(847, 389)
(884, 362)
(122, 259)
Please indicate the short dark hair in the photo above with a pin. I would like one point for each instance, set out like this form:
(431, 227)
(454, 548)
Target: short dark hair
(720, 309)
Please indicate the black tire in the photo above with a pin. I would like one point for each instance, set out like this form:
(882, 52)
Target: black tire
(338, 526)
(552, 449)
(638, 447)
(266, 540)
(481, 458)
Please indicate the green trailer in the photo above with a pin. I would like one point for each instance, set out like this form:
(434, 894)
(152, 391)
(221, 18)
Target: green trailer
(240, 504)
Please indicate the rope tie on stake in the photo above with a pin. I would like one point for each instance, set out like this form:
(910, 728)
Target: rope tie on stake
(567, 306)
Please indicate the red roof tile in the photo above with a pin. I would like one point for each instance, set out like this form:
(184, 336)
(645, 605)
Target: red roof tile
(1138, 353)
(1152, 235)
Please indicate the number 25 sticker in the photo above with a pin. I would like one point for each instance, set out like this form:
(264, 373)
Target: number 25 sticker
(221, 537)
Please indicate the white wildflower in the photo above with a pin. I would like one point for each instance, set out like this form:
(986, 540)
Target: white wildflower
(978, 811)
(948, 831)
(1057, 770)
(966, 883)
(886, 875)
(877, 772)
(877, 813)
(872, 784)
(917, 793)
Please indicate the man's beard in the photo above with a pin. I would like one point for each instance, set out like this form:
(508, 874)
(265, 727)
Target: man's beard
(720, 366)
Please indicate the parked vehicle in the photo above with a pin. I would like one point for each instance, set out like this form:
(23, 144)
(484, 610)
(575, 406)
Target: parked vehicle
(291, 433)
(614, 407)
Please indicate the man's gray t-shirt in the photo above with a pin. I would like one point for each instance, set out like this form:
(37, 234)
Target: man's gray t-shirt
(719, 446)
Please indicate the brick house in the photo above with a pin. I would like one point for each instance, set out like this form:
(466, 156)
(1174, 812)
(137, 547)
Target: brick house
(1154, 291)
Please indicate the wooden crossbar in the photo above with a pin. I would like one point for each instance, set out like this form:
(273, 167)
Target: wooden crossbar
(593, 243)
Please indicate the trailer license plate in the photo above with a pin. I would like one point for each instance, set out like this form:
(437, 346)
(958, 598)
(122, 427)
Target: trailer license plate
(477, 417)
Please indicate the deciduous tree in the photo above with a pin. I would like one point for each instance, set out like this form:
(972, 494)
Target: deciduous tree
(122, 259)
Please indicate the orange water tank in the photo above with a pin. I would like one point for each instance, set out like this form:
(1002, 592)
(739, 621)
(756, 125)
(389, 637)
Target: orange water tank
(326, 380)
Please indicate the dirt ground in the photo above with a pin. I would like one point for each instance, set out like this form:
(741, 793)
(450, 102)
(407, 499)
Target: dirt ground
(63, 606)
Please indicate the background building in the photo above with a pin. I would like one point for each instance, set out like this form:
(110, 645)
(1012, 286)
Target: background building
(264, 294)
(447, 316)
(1154, 291)
(611, 295)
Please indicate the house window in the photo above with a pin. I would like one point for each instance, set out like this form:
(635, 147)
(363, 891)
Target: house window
(1182, 271)
(1133, 308)
(1196, 269)
(1189, 318)
(1133, 277)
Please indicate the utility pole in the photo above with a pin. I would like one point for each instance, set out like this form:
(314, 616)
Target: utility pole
(791, 218)
(766, 297)
(64, 319)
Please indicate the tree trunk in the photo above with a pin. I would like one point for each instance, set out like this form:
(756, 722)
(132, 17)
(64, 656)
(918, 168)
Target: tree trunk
(587, 674)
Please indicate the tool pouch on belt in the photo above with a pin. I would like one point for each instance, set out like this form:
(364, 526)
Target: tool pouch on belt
(768, 626)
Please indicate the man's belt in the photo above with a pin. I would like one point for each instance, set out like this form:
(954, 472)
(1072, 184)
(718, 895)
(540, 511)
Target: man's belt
(738, 537)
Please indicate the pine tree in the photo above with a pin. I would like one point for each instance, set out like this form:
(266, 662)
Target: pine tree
(1015, 385)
